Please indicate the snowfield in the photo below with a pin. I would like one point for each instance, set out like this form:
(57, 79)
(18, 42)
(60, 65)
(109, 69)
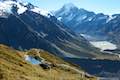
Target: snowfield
(103, 45)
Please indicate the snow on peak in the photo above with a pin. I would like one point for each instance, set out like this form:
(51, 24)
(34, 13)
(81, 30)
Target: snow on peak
(81, 17)
(59, 18)
(90, 18)
(5, 8)
(42, 12)
(111, 17)
(66, 9)
(21, 9)
(69, 6)
(7, 5)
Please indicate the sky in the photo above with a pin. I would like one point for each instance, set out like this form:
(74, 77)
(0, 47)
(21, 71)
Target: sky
(98, 6)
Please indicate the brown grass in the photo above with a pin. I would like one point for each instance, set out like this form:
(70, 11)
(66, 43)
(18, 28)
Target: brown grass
(14, 67)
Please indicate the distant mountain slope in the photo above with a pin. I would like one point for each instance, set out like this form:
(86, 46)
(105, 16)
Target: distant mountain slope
(24, 26)
(103, 26)
(14, 67)
(81, 20)
(112, 29)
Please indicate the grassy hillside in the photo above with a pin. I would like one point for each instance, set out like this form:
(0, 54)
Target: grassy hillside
(14, 67)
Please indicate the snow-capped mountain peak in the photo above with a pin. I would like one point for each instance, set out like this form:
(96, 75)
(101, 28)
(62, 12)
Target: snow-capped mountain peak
(69, 6)
(6, 8)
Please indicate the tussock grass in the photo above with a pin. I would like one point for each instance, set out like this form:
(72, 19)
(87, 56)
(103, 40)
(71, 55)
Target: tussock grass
(14, 67)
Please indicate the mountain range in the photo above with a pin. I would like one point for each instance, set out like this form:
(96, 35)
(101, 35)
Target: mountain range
(25, 26)
(81, 21)
(38, 44)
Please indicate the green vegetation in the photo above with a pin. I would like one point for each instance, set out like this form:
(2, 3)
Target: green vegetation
(14, 67)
